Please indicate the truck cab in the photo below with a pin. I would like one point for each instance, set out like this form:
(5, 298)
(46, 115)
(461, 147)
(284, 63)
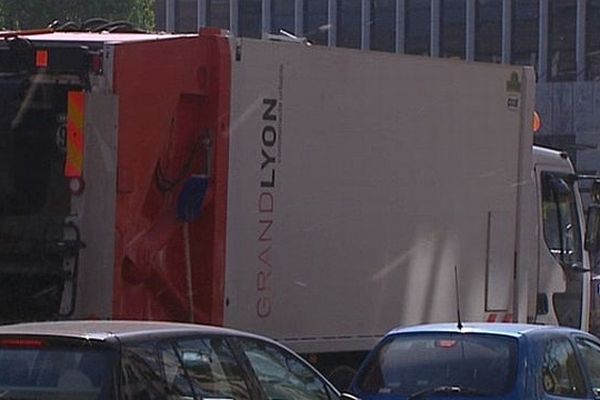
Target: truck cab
(562, 274)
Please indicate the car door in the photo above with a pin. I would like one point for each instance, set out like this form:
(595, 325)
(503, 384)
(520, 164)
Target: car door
(589, 351)
(561, 374)
(283, 375)
(205, 367)
(561, 283)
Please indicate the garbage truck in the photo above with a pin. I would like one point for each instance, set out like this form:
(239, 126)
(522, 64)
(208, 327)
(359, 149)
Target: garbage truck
(317, 195)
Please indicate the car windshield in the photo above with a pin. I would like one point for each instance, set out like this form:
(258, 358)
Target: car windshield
(39, 369)
(419, 363)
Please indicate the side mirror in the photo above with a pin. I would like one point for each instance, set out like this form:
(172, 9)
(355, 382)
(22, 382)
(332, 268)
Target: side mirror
(592, 227)
(595, 191)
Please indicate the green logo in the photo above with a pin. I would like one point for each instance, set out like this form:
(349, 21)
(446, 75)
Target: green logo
(513, 84)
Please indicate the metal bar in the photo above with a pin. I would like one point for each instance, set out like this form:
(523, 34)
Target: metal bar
(365, 17)
(202, 8)
(266, 18)
(580, 43)
(400, 26)
(28, 32)
(435, 28)
(233, 17)
(332, 22)
(470, 30)
(170, 11)
(506, 31)
(542, 71)
(299, 18)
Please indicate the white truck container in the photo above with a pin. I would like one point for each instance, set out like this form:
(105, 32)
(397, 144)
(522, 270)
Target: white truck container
(317, 195)
(360, 180)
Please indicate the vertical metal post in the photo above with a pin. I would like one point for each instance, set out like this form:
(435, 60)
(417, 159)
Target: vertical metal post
(233, 17)
(435, 28)
(170, 12)
(580, 43)
(400, 26)
(266, 18)
(470, 30)
(332, 22)
(202, 8)
(543, 41)
(365, 18)
(506, 31)
(299, 18)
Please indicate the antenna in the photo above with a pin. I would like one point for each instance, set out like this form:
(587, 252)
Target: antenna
(459, 322)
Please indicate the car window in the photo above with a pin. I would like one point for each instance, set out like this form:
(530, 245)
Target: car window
(407, 364)
(282, 375)
(212, 368)
(561, 373)
(54, 369)
(176, 381)
(590, 354)
(141, 378)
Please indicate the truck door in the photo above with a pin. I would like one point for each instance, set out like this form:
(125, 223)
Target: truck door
(560, 274)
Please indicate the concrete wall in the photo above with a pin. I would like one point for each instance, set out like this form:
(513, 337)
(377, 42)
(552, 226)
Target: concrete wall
(570, 113)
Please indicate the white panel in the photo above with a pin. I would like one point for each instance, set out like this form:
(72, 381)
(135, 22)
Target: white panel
(501, 244)
(94, 210)
(379, 171)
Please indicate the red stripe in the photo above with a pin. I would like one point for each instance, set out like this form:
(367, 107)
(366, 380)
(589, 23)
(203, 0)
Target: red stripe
(491, 318)
(507, 318)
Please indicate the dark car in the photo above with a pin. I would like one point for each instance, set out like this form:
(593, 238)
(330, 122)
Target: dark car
(491, 361)
(150, 360)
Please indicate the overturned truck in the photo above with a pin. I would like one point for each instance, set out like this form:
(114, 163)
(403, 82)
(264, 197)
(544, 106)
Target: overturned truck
(316, 195)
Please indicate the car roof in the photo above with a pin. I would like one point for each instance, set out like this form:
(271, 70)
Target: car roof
(497, 328)
(123, 330)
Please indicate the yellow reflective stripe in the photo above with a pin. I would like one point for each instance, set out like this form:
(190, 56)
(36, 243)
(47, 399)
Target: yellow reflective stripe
(76, 115)
(74, 159)
(75, 135)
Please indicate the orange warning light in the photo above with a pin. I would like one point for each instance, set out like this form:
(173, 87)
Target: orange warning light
(537, 122)
(41, 59)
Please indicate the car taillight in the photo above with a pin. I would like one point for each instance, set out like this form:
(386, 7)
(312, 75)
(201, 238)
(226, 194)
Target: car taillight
(446, 344)
(22, 343)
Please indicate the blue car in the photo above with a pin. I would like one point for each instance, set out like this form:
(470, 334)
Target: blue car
(481, 360)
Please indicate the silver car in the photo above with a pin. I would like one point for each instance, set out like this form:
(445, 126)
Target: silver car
(150, 360)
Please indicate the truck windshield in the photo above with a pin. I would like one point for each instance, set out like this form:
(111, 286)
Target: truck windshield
(561, 223)
(37, 369)
(414, 363)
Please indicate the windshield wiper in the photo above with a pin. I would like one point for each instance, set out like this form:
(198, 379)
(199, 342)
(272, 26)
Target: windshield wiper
(447, 389)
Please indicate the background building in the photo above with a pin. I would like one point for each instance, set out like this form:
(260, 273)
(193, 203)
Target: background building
(560, 38)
